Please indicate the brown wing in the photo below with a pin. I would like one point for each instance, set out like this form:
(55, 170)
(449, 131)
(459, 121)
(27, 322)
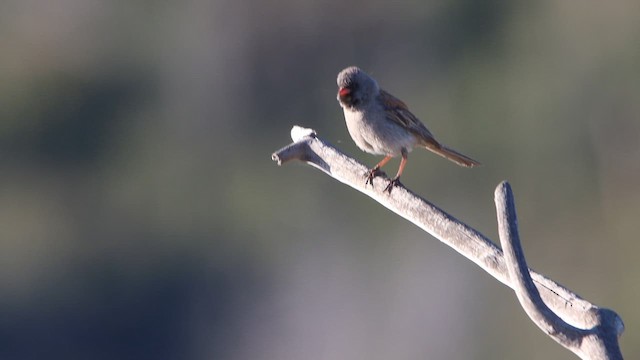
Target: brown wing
(398, 112)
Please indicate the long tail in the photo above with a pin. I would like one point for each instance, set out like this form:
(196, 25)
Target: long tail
(451, 154)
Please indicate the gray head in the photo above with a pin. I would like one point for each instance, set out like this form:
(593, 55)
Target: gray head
(356, 88)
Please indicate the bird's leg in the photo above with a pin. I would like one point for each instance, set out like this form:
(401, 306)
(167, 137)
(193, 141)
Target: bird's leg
(396, 180)
(375, 171)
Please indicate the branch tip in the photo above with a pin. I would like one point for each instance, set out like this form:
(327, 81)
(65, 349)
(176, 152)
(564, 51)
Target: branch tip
(276, 158)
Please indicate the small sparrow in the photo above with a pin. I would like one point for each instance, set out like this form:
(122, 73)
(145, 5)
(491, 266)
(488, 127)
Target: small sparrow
(381, 124)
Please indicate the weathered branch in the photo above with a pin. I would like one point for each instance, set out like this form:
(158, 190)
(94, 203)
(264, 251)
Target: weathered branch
(567, 305)
(597, 342)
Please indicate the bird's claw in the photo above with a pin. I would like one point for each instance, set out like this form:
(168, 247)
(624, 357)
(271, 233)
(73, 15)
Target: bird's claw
(393, 183)
(371, 174)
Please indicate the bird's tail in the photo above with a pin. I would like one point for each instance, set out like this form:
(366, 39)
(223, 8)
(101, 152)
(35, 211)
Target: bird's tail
(451, 154)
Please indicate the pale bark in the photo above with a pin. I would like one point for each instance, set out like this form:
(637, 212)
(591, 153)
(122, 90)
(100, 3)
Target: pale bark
(589, 331)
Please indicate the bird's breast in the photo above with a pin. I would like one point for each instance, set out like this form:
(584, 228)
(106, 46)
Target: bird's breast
(374, 133)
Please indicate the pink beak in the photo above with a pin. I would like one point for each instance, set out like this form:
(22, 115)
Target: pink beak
(344, 91)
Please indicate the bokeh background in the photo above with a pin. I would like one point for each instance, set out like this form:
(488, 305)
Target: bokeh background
(142, 218)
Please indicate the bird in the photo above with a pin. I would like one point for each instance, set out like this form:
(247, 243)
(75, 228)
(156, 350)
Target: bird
(381, 124)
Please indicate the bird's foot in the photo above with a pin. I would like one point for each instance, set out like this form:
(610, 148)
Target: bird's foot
(393, 183)
(371, 174)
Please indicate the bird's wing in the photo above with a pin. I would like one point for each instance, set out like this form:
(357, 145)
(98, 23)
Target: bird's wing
(398, 112)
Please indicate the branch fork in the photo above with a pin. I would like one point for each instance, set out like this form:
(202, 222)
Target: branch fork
(585, 329)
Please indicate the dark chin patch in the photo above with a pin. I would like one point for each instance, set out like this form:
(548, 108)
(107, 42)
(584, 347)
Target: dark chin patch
(350, 99)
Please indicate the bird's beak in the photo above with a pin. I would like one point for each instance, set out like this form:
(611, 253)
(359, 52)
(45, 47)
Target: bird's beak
(344, 91)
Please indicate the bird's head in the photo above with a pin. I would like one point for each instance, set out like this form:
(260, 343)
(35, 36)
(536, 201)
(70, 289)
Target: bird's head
(355, 87)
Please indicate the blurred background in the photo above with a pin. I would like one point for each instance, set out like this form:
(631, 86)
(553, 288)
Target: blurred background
(141, 216)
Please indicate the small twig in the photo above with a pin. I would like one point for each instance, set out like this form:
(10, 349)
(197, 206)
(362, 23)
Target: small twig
(597, 342)
(562, 302)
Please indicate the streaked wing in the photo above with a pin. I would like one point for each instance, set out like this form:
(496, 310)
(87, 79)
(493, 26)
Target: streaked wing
(398, 112)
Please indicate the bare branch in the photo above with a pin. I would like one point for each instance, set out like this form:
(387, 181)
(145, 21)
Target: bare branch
(570, 308)
(586, 343)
